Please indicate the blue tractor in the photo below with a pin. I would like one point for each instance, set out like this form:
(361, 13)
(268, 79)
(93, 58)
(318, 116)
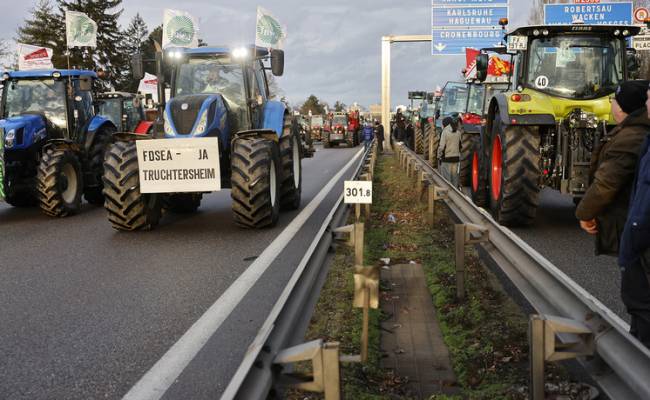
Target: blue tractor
(221, 94)
(53, 143)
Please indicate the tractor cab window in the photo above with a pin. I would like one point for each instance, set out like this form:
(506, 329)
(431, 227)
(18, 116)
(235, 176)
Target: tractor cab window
(133, 114)
(112, 109)
(212, 76)
(340, 120)
(575, 67)
(82, 102)
(43, 97)
(476, 98)
(454, 99)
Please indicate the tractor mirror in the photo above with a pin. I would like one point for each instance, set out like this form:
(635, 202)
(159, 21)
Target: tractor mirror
(482, 61)
(632, 60)
(137, 70)
(85, 84)
(277, 62)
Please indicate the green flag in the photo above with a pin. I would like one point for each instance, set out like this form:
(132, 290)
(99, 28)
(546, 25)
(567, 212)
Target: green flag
(80, 30)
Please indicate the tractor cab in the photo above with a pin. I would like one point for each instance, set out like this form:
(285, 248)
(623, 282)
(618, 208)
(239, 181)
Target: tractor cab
(125, 110)
(45, 104)
(452, 102)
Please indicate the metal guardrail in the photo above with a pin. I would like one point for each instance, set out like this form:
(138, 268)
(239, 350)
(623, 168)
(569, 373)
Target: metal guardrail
(288, 321)
(619, 364)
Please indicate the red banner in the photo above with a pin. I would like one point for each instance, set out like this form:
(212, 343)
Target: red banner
(470, 62)
(498, 67)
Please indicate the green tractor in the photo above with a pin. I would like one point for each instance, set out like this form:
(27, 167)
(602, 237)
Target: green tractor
(420, 136)
(542, 132)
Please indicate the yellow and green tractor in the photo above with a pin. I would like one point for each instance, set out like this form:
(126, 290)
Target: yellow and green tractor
(543, 130)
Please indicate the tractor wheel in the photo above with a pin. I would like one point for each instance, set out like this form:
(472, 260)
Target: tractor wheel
(326, 141)
(419, 140)
(434, 142)
(256, 173)
(183, 203)
(514, 174)
(290, 156)
(478, 177)
(59, 182)
(93, 194)
(21, 199)
(128, 209)
(465, 168)
(427, 129)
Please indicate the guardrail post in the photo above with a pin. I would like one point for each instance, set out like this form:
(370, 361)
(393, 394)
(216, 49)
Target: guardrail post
(435, 193)
(366, 296)
(465, 234)
(326, 375)
(578, 340)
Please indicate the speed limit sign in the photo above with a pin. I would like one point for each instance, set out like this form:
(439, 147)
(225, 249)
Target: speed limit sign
(640, 14)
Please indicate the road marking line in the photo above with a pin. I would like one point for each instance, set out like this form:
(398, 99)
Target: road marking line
(154, 383)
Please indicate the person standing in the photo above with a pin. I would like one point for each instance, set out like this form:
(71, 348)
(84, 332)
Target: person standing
(634, 254)
(449, 150)
(379, 134)
(367, 134)
(603, 210)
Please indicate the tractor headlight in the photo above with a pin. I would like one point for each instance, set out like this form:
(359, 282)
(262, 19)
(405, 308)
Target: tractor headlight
(202, 125)
(167, 126)
(10, 138)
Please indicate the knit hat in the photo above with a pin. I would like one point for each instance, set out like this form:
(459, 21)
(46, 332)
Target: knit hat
(632, 95)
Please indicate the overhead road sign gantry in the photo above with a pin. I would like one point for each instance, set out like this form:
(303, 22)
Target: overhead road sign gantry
(592, 14)
(455, 41)
(468, 16)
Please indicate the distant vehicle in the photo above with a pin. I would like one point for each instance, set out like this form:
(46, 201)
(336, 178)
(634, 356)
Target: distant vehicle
(339, 132)
(126, 111)
(316, 127)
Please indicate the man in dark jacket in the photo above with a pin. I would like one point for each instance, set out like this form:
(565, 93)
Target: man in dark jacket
(379, 134)
(603, 209)
(634, 255)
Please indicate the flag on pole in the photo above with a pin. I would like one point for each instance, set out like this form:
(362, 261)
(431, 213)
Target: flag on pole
(34, 57)
(180, 29)
(269, 32)
(149, 85)
(80, 30)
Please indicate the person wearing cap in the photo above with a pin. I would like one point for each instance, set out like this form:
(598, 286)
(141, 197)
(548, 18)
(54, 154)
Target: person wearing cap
(603, 209)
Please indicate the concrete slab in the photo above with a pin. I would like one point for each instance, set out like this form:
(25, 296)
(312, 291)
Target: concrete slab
(411, 337)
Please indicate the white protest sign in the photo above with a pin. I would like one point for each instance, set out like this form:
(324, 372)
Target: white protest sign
(34, 57)
(80, 30)
(179, 165)
(180, 29)
(149, 85)
(269, 32)
(357, 192)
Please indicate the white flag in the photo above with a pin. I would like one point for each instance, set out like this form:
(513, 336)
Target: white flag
(34, 57)
(80, 30)
(149, 85)
(180, 29)
(269, 32)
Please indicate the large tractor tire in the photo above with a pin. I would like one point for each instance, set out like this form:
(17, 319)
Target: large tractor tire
(478, 177)
(419, 140)
(256, 174)
(183, 203)
(326, 141)
(465, 169)
(290, 156)
(59, 182)
(94, 194)
(427, 134)
(514, 174)
(434, 143)
(128, 209)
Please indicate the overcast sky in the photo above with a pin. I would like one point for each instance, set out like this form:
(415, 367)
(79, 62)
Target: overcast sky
(333, 47)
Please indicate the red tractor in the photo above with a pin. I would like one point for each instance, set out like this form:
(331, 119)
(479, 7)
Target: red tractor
(340, 132)
(354, 126)
(126, 111)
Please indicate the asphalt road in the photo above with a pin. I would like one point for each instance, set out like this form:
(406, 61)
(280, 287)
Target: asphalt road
(557, 236)
(85, 311)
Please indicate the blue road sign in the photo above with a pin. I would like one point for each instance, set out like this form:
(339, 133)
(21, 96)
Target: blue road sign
(590, 14)
(468, 16)
(455, 41)
(468, 2)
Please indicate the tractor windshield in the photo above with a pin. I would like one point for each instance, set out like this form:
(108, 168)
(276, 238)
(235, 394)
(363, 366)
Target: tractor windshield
(111, 109)
(476, 99)
(454, 98)
(217, 75)
(576, 67)
(340, 120)
(45, 97)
